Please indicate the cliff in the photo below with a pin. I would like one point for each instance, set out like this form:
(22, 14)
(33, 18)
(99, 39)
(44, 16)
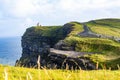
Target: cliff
(73, 45)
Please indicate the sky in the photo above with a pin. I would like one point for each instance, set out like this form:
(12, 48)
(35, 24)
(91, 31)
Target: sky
(17, 15)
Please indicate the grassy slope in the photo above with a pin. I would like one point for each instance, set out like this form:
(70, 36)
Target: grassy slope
(105, 47)
(109, 27)
(17, 73)
(77, 28)
(106, 27)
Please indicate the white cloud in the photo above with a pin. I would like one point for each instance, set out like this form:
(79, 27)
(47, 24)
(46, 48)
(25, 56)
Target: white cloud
(88, 4)
(25, 8)
(28, 8)
(19, 14)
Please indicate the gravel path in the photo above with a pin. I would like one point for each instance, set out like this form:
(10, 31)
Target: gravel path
(87, 32)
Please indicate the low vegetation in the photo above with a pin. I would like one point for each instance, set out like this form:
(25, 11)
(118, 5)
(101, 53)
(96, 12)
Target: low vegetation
(105, 30)
(108, 27)
(19, 73)
(95, 45)
(77, 28)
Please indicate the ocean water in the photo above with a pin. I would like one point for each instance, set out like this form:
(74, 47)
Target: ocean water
(10, 50)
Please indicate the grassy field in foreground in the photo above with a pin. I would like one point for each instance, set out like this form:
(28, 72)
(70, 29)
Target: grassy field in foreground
(17, 73)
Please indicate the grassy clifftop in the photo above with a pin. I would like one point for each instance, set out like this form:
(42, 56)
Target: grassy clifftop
(73, 29)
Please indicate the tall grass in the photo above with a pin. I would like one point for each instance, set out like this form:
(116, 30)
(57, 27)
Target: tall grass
(5, 74)
(19, 73)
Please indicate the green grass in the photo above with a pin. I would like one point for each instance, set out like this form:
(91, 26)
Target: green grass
(105, 62)
(106, 52)
(17, 73)
(113, 63)
(108, 22)
(77, 28)
(105, 30)
(95, 45)
(49, 31)
(108, 27)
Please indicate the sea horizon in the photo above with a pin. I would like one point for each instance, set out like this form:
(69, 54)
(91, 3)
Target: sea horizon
(10, 50)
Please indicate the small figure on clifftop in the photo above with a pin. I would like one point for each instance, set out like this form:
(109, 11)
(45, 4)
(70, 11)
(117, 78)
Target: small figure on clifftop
(38, 25)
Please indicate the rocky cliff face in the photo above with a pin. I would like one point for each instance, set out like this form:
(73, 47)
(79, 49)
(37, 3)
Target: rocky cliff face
(31, 48)
(39, 41)
(61, 59)
(35, 42)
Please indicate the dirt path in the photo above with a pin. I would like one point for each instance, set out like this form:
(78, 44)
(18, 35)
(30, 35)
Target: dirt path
(87, 32)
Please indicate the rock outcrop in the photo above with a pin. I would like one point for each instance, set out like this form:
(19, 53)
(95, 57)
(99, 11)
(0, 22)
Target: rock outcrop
(61, 45)
(31, 50)
(69, 60)
(36, 41)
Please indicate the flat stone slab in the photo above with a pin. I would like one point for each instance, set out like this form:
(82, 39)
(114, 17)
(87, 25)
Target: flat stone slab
(73, 54)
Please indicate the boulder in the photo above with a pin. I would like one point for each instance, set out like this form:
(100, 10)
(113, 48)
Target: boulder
(60, 61)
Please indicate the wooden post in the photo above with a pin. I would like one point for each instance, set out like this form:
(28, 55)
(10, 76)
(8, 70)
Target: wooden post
(38, 62)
